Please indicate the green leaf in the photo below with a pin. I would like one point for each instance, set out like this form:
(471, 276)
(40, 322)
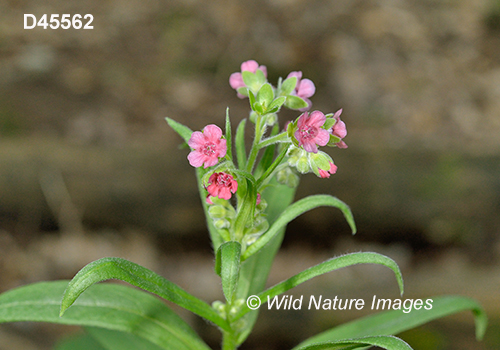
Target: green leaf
(384, 342)
(325, 267)
(288, 86)
(229, 145)
(182, 130)
(241, 153)
(114, 340)
(228, 261)
(295, 210)
(295, 102)
(79, 342)
(397, 321)
(265, 96)
(109, 306)
(139, 276)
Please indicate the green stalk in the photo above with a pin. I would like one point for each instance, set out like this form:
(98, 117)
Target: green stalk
(273, 166)
(228, 341)
(255, 145)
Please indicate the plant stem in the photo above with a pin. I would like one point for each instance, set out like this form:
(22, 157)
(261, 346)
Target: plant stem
(273, 166)
(228, 341)
(255, 145)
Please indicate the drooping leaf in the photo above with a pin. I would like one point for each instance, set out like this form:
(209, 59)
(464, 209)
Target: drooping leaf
(139, 276)
(325, 267)
(109, 306)
(383, 341)
(397, 321)
(295, 210)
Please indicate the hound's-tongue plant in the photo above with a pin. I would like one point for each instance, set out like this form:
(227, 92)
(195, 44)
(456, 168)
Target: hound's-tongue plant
(248, 203)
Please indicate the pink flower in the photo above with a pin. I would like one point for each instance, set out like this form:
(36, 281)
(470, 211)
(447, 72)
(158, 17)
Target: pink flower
(339, 129)
(309, 132)
(326, 174)
(208, 146)
(221, 185)
(236, 79)
(304, 89)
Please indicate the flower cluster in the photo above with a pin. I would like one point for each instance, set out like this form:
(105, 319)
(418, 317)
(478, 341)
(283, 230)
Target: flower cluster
(299, 144)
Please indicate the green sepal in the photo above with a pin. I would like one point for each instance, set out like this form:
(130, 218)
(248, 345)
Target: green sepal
(329, 122)
(250, 79)
(295, 102)
(227, 266)
(275, 106)
(333, 140)
(243, 90)
(288, 86)
(265, 96)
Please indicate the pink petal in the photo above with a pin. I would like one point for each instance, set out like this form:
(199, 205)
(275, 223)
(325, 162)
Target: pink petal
(310, 146)
(339, 129)
(211, 161)
(197, 140)
(236, 80)
(264, 70)
(316, 119)
(298, 75)
(333, 168)
(212, 132)
(196, 159)
(222, 148)
(224, 193)
(306, 89)
(322, 138)
(250, 65)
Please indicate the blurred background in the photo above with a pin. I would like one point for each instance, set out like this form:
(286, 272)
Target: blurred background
(89, 168)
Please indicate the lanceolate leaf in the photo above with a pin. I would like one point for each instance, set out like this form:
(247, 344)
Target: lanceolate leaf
(109, 306)
(384, 342)
(396, 321)
(137, 275)
(114, 340)
(228, 256)
(182, 130)
(328, 266)
(241, 154)
(295, 210)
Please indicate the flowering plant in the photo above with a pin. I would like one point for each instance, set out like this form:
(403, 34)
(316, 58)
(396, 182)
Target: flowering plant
(247, 199)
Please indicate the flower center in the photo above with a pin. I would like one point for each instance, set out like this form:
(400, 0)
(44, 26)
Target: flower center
(308, 132)
(224, 180)
(209, 148)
